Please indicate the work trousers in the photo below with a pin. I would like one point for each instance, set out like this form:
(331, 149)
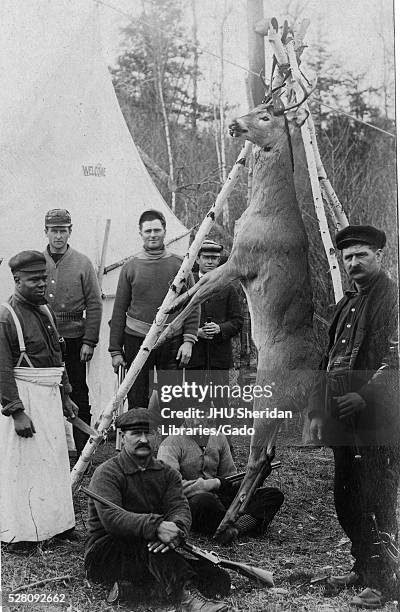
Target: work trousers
(361, 487)
(76, 370)
(208, 509)
(110, 559)
(205, 376)
(164, 358)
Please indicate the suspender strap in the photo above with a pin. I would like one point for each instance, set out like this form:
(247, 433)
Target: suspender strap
(44, 308)
(22, 348)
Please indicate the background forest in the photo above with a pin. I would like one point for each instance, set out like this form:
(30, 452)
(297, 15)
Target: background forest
(187, 149)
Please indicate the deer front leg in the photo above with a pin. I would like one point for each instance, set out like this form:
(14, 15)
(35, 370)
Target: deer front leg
(262, 451)
(209, 283)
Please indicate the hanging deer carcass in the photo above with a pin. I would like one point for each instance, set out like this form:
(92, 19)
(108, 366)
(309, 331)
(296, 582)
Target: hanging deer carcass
(269, 257)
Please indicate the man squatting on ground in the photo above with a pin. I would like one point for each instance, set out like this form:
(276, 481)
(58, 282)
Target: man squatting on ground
(136, 543)
(72, 292)
(354, 407)
(36, 498)
(142, 286)
(204, 463)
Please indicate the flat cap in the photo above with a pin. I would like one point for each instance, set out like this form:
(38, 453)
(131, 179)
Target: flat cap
(360, 234)
(57, 217)
(209, 246)
(152, 213)
(28, 261)
(136, 419)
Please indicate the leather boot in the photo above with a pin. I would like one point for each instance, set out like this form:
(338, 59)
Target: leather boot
(193, 601)
(123, 590)
(368, 598)
(345, 581)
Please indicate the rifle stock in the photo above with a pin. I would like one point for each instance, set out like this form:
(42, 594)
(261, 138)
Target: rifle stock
(262, 576)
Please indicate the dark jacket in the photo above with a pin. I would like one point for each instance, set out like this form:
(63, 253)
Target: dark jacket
(147, 497)
(223, 308)
(373, 369)
(42, 347)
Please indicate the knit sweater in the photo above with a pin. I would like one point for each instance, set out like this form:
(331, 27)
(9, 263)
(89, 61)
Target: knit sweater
(72, 287)
(142, 286)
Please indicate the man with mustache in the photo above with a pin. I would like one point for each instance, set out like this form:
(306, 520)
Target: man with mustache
(36, 499)
(136, 545)
(74, 294)
(354, 407)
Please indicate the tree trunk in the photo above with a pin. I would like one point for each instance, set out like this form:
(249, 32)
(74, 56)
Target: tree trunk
(195, 69)
(256, 50)
(223, 174)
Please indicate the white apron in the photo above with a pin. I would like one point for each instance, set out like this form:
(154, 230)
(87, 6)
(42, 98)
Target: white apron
(35, 485)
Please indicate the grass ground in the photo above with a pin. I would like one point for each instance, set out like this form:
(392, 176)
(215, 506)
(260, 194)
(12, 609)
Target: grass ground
(303, 543)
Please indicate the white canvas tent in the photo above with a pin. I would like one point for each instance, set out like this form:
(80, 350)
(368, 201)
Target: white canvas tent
(64, 143)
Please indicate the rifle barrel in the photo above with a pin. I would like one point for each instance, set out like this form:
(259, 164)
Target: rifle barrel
(240, 475)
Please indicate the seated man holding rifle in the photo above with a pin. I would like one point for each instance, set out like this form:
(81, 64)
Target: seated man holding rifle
(136, 539)
(210, 483)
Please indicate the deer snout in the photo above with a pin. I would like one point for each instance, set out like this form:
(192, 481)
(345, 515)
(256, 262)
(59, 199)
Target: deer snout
(236, 128)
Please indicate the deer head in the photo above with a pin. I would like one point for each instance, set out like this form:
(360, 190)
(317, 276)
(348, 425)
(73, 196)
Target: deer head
(261, 126)
(267, 123)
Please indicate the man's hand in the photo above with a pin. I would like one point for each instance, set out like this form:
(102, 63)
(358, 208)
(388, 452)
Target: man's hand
(169, 537)
(192, 487)
(118, 360)
(158, 546)
(23, 425)
(203, 334)
(184, 353)
(211, 328)
(86, 352)
(316, 429)
(70, 409)
(350, 404)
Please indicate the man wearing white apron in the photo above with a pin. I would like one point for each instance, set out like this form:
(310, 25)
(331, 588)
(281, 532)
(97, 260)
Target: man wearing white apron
(35, 489)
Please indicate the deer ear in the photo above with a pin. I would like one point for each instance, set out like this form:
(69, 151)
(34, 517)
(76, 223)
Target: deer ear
(297, 116)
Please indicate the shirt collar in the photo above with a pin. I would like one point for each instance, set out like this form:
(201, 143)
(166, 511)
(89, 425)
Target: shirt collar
(23, 300)
(130, 466)
(363, 290)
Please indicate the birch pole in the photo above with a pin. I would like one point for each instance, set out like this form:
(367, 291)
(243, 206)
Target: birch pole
(306, 133)
(285, 54)
(328, 193)
(162, 315)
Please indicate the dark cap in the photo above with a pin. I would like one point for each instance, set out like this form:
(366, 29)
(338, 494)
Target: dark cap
(58, 217)
(209, 246)
(150, 214)
(28, 261)
(360, 234)
(136, 419)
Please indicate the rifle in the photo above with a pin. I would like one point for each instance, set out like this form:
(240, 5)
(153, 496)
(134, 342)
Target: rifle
(260, 575)
(240, 475)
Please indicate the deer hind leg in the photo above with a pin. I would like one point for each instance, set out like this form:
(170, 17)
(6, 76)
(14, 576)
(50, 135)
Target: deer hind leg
(262, 451)
(206, 286)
